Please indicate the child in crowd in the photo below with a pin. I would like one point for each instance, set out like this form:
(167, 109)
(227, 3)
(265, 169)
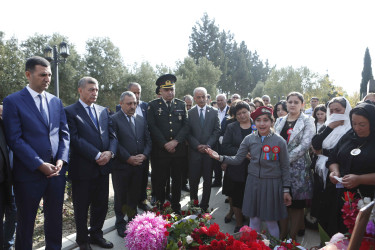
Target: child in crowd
(267, 191)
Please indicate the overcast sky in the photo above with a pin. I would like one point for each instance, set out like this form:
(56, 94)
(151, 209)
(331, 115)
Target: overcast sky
(322, 35)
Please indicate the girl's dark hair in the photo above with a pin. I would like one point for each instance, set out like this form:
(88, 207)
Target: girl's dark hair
(320, 107)
(241, 105)
(339, 100)
(283, 105)
(298, 94)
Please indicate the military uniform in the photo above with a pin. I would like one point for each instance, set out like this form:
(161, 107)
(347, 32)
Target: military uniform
(166, 124)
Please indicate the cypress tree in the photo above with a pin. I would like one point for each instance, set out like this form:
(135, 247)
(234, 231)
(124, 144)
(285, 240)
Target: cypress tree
(366, 73)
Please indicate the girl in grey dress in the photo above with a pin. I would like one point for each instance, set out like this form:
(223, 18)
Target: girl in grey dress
(268, 181)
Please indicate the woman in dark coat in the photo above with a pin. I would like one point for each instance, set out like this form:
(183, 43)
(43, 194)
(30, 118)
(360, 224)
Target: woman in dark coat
(234, 134)
(353, 158)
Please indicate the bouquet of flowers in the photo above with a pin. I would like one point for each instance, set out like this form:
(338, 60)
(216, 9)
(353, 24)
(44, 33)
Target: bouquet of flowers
(146, 231)
(350, 210)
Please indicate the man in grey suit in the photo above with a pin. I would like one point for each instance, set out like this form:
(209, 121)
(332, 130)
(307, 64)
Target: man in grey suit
(133, 150)
(204, 133)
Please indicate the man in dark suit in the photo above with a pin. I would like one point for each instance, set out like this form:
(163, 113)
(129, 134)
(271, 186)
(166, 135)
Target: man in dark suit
(5, 180)
(92, 146)
(204, 132)
(222, 112)
(167, 121)
(141, 110)
(133, 150)
(37, 133)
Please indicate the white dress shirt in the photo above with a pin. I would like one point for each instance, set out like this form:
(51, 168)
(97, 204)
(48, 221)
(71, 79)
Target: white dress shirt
(94, 113)
(222, 114)
(204, 111)
(138, 110)
(35, 96)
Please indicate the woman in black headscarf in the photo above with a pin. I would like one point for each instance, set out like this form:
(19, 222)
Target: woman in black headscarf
(353, 158)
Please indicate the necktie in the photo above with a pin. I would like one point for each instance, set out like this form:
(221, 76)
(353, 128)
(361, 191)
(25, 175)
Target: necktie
(169, 105)
(201, 118)
(131, 124)
(94, 120)
(42, 111)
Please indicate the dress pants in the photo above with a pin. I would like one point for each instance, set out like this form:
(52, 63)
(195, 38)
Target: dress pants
(172, 164)
(92, 192)
(28, 196)
(127, 185)
(143, 195)
(200, 166)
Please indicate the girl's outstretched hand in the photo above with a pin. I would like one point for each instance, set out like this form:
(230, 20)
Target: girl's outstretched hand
(213, 154)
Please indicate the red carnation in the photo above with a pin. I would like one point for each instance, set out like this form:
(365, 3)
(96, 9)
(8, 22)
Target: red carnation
(213, 229)
(169, 216)
(196, 202)
(167, 204)
(166, 233)
(220, 236)
(182, 212)
(214, 244)
(203, 230)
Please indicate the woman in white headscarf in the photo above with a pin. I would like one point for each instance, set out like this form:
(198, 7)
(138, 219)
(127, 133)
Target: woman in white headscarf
(337, 124)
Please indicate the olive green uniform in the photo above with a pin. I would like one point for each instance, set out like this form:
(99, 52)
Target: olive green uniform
(166, 124)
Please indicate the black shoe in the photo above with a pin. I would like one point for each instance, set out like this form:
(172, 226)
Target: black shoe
(227, 220)
(237, 229)
(85, 246)
(185, 188)
(204, 210)
(121, 232)
(103, 243)
(153, 200)
(301, 232)
(216, 184)
(144, 206)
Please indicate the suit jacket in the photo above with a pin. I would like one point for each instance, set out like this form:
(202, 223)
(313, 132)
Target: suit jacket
(209, 133)
(86, 141)
(130, 144)
(30, 138)
(143, 106)
(223, 123)
(7, 174)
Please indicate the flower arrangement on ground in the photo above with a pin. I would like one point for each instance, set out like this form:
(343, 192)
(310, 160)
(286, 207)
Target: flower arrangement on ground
(353, 202)
(146, 231)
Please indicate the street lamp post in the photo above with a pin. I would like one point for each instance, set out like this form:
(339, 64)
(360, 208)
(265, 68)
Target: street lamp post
(52, 55)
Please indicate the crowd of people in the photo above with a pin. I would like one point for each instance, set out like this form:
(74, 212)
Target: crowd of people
(279, 161)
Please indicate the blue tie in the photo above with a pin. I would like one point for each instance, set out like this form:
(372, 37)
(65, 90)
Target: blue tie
(201, 117)
(93, 117)
(42, 111)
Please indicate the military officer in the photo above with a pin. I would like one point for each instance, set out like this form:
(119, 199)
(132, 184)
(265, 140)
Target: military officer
(167, 121)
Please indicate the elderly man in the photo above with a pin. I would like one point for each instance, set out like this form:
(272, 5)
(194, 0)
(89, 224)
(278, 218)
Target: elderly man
(133, 150)
(167, 121)
(92, 147)
(204, 127)
(37, 132)
(266, 99)
(223, 108)
(314, 101)
(188, 99)
(235, 97)
(141, 110)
